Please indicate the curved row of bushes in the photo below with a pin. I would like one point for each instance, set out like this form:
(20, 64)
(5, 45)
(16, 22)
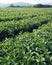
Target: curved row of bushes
(28, 48)
(10, 29)
(16, 18)
(8, 14)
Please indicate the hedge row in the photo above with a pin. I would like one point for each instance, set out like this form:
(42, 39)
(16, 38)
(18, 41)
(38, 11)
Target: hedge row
(11, 28)
(28, 48)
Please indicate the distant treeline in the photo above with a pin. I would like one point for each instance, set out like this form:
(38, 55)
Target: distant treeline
(42, 6)
(35, 6)
(13, 6)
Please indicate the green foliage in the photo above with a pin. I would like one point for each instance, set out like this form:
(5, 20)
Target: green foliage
(18, 20)
(26, 36)
(28, 48)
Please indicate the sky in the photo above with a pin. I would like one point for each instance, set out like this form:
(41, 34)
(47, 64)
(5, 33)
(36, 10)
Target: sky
(27, 1)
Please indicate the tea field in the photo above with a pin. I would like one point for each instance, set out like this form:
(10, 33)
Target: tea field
(25, 36)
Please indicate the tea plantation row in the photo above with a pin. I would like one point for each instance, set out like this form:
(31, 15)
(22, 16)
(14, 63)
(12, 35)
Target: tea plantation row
(28, 48)
(8, 14)
(25, 36)
(14, 20)
(11, 28)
